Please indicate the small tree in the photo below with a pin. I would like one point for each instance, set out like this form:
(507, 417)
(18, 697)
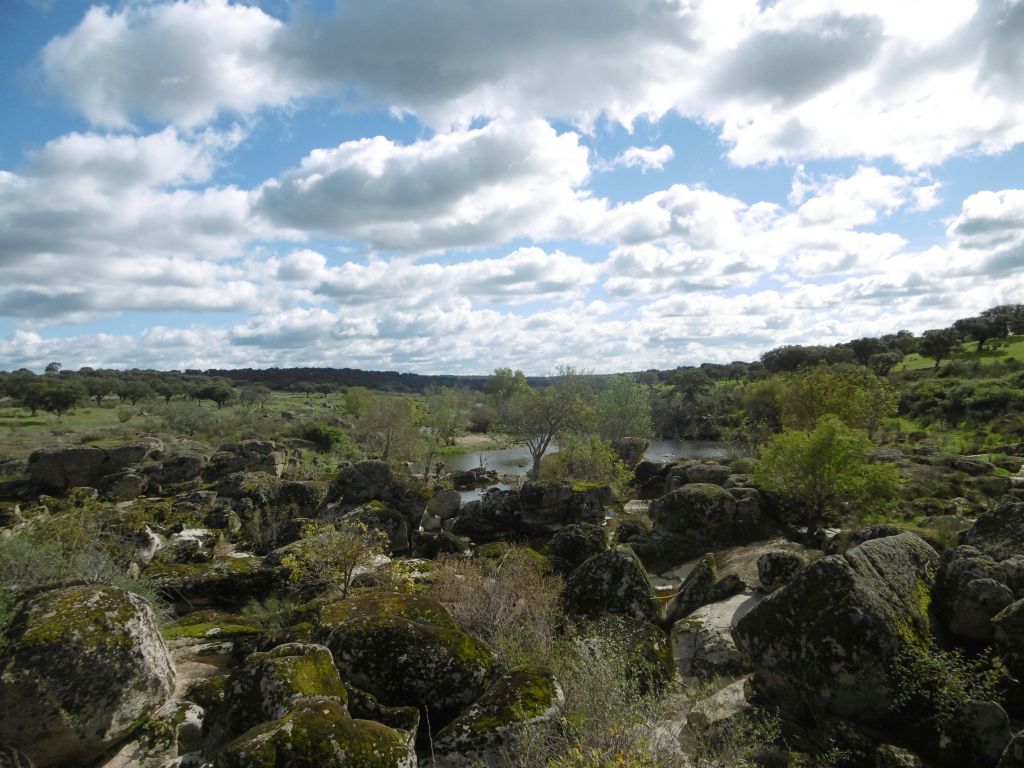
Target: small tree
(537, 416)
(326, 559)
(448, 408)
(623, 409)
(59, 397)
(825, 471)
(388, 429)
(938, 344)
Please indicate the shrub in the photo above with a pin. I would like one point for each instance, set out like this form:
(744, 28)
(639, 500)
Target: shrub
(934, 683)
(509, 603)
(327, 559)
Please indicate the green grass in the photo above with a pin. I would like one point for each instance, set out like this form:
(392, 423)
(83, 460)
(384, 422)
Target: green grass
(1010, 348)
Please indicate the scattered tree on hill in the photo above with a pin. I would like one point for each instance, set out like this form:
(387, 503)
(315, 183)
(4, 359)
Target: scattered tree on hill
(826, 471)
(253, 395)
(53, 367)
(938, 344)
(59, 397)
(860, 399)
(98, 387)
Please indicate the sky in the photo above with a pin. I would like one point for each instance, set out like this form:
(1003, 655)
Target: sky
(450, 186)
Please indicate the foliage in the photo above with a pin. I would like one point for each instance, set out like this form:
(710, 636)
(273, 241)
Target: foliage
(623, 409)
(448, 409)
(939, 344)
(934, 683)
(537, 416)
(857, 397)
(511, 604)
(327, 439)
(825, 470)
(185, 418)
(587, 459)
(358, 400)
(85, 543)
(502, 384)
(387, 428)
(327, 558)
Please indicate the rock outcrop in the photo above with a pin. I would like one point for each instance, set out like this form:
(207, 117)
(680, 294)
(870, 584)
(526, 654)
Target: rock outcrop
(694, 519)
(83, 665)
(406, 650)
(824, 643)
(612, 582)
(522, 697)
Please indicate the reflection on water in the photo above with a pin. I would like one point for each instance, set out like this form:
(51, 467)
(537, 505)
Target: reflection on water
(517, 461)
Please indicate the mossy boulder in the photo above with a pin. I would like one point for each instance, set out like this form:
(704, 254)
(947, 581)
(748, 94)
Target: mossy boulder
(266, 490)
(1009, 638)
(497, 551)
(58, 469)
(701, 587)
(641, 648)
(263, 456)
(699, 518)
(365, 706)
(83, 666)
(972, 587)
(406, 650)
(318, 733)
(268, 685)
(568, 548)
(824, 643)
(612, 582)
(1000, 531)
(361, 482)
(495, 515)
(388, 521)
(522, 697)
(779, 567)
(225, 581)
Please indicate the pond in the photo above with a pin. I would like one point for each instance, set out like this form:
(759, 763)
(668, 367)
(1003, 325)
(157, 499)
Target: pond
(516, 461)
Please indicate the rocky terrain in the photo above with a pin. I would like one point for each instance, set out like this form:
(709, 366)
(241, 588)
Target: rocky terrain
(892, 645)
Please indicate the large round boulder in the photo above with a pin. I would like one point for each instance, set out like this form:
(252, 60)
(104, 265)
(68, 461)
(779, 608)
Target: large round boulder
(406, 650)
(58, 469)
(824, 644)
(695, 519)
(573, 544)
(522, 697)
(267, 685)
(612, 582)
(318, 733)
(82, 666)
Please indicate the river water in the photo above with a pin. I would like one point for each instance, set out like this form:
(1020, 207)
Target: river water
(516, 461)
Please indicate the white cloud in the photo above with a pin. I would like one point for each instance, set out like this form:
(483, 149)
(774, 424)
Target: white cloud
(916, 81)
(459, 189)
(644, 158)
(179, 63)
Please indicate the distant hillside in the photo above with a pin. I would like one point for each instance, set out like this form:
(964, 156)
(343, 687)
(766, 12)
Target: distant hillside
(996, 350)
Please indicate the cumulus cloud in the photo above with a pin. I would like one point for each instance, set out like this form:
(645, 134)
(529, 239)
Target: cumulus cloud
(180, 63)
(644, 158)
(458, 189)
(917, 81)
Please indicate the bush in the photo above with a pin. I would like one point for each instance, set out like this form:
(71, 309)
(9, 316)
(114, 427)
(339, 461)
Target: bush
(933, 683)
(509, 603)
(329, 439)
(327, 559)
